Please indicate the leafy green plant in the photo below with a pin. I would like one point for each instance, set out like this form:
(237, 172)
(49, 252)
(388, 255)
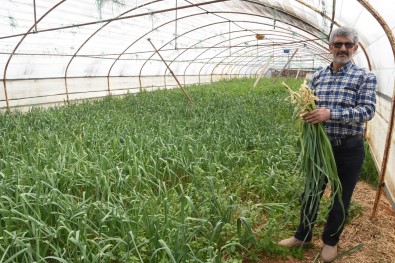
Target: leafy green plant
(149, 177)
(369, 171)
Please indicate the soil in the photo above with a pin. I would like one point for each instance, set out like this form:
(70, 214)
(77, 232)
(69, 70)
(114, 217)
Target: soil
(374, 237)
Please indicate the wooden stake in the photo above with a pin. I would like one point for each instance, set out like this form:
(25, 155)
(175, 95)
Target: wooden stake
(174, 76)
(289, 60)
(263, 71)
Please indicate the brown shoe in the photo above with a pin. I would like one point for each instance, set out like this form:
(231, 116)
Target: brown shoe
(328, 253)
(293, 242)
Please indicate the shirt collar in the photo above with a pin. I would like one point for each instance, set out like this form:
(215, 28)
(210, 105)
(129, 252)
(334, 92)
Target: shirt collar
(345, 68)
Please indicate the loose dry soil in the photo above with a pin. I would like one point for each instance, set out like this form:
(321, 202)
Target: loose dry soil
(377, 235)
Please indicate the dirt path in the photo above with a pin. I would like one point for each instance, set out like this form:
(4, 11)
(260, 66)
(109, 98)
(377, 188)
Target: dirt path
(377, 236)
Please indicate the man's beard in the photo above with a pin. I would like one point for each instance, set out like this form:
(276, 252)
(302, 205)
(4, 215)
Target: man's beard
(343, 59)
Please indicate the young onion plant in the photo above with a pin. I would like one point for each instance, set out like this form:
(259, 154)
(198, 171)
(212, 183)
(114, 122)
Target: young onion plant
(317, 161)
(148, 177)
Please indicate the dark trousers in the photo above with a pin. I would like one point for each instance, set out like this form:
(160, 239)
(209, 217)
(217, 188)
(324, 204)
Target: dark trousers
(349, 158)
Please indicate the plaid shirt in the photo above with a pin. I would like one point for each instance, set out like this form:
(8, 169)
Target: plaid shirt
(350, 94)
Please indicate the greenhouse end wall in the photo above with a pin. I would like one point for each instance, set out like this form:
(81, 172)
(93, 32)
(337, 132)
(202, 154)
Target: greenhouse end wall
(377, 132)
(23, 94)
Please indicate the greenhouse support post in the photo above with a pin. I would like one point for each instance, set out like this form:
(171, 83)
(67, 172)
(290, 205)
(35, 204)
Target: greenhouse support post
(35, 16)
(172, 73)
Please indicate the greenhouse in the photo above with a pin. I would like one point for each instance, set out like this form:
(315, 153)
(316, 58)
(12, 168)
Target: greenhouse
(161, 131)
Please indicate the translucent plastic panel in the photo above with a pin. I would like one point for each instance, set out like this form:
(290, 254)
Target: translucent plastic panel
(28, 66)
(3, 103)
(84, 40)
(386, 10)
(77, 39)
(3, 61)
(17, 16)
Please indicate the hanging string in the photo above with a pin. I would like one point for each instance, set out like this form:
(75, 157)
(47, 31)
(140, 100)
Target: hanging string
(176, 24)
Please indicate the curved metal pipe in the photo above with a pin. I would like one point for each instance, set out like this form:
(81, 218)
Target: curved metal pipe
(17, 46)
(93, 34)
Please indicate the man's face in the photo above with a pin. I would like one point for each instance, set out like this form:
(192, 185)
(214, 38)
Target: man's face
(342, 49)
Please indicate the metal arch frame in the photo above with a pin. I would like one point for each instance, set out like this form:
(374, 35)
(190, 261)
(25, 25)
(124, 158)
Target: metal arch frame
(108, 20)
(321, 56)
(271, 18)
(171, 40)
(293, 16)
(92, 35)
(367, 57)
(253, 65)
(253, 57)
(113, 19)
(24, 35)
(237, 64)
(242, 21)
(333, 22)
(168, 22)
(253, 46)
(122, 18)
(272, 51)
(231, 62)
(206, 39)
(249, 63)
(250, 69)
(316, 50)
(248, 1)
(19, 43)
(172, 9)
(225, 51)
(278, 26)
(185, 50)
(206, 62)
(204, 51)
(226, 12)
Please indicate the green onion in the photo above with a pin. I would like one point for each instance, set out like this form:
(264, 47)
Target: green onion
(317, 160)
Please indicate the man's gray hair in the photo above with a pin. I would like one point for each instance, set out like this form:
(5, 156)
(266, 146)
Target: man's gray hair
(348, 32)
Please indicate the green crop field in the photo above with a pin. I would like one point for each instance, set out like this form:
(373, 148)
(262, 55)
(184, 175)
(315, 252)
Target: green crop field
(151, 177)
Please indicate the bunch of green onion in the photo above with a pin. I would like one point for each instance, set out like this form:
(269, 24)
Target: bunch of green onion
(317, 160)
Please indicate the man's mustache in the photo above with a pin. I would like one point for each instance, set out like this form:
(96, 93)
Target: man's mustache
(342, 53)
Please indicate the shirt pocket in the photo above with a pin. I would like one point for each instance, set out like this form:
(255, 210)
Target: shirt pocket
(348, 96)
